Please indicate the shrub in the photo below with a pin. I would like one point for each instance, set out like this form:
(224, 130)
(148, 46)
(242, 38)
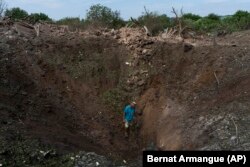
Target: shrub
(210, 23)
(241, 20)
(16, 13)
(154, 22)
(104, 16)
(206, 25)
(213, 17)
(73, 22)
(35, 17)
(190, 16)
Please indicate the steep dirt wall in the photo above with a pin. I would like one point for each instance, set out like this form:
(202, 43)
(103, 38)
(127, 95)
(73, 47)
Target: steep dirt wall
(52, 90)
(189, 102)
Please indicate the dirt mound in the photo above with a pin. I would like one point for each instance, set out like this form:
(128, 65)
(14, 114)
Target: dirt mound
(67, 89)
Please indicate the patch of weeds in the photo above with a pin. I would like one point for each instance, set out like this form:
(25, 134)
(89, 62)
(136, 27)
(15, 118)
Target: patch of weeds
(115, 99)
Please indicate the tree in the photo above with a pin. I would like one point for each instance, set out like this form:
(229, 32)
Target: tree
(210, 23)
(214, 17)
(16, 13)
(2, 7)
(191, 16)
(239, 21)
(74, 23)
(35, 17)
(240, 14)
(154, 22)
(104, 16)
(70, 21)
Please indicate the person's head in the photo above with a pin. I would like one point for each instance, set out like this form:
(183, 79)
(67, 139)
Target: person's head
(133, 104)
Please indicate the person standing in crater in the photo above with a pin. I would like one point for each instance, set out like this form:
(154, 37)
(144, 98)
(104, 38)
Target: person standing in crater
(129, 113)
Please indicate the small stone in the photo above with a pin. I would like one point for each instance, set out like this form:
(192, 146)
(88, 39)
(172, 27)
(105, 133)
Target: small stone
(144, 51)
(141, 83)
(143, 71)
(24, 93)
(233, 138)
(112, 32)
(117, 37)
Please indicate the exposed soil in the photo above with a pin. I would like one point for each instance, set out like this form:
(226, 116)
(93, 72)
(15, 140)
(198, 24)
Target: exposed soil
(58, 88)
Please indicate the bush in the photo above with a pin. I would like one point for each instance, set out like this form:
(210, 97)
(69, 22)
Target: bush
(240, 20)
(210, 23)
(154, 22)
(207, 25)
(16, 13)
(36, 17)
(237, 22)
(73, 22)
(213, 17)
(103, 16)
(190, 16)
(69, 21)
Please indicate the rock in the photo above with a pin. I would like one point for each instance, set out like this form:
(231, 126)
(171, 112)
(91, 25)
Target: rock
(24, 93)
(91, 159)
(128, 63)
(144, 51)
(141, 83)
(117, 37)
(143, 71)
(113, 32)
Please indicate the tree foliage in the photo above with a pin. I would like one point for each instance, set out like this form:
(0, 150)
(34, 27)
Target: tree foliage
(239, 21)
(73, 22)
(104, 16)
(35, 17)
(154, 22)
(99, 15)
(213, 16)
(16, 13)
(191, 16)
(214, 23)
(70, 21)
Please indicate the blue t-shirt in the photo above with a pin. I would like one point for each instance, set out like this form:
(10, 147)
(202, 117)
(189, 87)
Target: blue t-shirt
(129, 113)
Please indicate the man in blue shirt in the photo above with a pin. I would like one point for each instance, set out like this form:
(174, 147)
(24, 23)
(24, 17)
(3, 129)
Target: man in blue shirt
(129, 112)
